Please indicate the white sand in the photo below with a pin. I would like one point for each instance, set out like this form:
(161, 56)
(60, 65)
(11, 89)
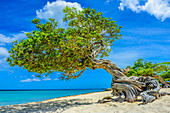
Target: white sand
(88, 103)
(161, 105)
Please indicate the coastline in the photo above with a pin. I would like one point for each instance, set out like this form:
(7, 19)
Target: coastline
(15, 97)
(88, 103)
(53, 99)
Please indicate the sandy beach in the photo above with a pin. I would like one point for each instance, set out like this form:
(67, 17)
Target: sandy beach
(88, 103)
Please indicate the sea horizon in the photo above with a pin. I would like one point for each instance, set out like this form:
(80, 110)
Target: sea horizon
(51, 89)
(22, 96)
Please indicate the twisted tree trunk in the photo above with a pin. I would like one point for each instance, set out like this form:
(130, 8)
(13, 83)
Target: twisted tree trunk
(127, 88)
(121, 84)
(164, 84)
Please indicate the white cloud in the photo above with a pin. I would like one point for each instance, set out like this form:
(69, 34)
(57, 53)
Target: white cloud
(107, 1)
(9, 39)
(2, 44)
(30, 80)
(2, 60)
(37, 79)
(45, 79)
(33, 76)
(3, 52)
(10, 72)
(55, 10)
(4, 66)
(56, 79)
(124, 57)
(159, 8)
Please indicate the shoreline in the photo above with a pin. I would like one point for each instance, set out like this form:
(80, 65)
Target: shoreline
(68, 96)
(88, 103)
(47, 100)
(48, 89)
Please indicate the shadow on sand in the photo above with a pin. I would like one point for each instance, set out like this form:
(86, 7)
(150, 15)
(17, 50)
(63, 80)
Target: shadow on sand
(44, 107)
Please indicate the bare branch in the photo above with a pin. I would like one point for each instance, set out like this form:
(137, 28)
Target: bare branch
(81, 72)
(97, 51)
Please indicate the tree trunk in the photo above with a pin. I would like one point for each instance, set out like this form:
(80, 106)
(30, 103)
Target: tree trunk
(164, 84)
(128, 88)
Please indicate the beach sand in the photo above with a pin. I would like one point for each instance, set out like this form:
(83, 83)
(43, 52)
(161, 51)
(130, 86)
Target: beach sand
(88, 103)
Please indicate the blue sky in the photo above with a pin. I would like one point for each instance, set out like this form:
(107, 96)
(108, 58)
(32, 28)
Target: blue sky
(146, 34)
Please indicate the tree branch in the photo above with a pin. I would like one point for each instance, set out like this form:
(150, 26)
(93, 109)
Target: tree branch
(97, 51)
(81, 72)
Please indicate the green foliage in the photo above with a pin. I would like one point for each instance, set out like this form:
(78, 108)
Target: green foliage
(50, 48)
(166, 76)
(144, 68)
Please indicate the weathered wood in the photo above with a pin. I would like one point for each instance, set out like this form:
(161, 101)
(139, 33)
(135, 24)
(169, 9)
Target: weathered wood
(164, 83)
(127, 88)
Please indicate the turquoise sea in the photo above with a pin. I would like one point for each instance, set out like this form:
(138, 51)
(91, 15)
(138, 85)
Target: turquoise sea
(10, 97)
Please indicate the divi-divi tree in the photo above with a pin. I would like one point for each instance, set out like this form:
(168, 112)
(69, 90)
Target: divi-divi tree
(72, 50)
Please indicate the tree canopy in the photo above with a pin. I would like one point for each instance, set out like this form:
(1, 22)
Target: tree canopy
(144, 68)
(50, 48)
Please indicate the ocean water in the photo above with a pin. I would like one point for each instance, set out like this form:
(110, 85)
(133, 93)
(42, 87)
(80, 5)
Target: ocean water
(20, 97)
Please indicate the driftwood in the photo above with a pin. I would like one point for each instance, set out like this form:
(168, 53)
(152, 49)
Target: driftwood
(127, 88)
(164, 83)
